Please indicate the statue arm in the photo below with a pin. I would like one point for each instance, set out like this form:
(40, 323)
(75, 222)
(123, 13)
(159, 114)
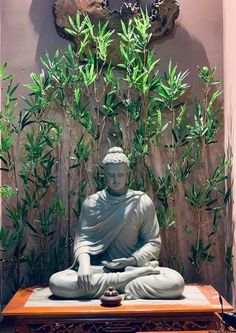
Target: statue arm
(146, 253)
(82, 257)
(85, 273)
(84, 261)
(149, 234)
(80, 246)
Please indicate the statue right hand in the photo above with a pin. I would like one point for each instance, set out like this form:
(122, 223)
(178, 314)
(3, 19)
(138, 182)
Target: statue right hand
(85, 278)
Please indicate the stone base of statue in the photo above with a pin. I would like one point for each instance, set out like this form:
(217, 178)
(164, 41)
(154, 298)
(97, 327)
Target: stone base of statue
(37, 310)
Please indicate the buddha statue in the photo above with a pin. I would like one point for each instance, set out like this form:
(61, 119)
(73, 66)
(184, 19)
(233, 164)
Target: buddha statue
(117, 244)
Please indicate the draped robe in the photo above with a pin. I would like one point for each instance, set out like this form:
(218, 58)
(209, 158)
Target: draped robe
(112, 227)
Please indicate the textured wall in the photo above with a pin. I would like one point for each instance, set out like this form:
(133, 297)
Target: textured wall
(28, 29)
(230, 112)
(0, 162)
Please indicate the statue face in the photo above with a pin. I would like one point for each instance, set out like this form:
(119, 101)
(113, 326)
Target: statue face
(116, 178)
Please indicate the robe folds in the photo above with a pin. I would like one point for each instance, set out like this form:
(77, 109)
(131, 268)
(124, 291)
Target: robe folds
(112, 227)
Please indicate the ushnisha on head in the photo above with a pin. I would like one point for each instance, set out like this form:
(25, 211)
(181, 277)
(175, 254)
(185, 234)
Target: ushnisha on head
(116, 171)
(115, 155)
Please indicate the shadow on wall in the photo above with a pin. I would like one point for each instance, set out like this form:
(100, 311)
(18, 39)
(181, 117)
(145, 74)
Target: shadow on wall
(42, 18)
(186, 51)
(183, 48)
(230, 225)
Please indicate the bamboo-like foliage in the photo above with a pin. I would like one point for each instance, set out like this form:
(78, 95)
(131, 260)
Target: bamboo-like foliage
(81, 103)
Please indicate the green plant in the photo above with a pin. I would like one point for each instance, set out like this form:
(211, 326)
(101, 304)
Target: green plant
(27, 145)
(78, 104)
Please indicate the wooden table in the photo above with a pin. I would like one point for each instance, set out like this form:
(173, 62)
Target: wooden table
(49, 316)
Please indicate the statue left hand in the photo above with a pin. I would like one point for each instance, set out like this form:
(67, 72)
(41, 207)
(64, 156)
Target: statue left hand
(119, 263)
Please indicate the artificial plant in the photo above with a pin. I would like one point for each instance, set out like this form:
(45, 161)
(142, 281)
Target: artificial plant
(78, 106)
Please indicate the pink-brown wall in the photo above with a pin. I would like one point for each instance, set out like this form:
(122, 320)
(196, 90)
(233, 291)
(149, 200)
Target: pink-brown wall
(197, 39)
(229, 8)
(28, 29)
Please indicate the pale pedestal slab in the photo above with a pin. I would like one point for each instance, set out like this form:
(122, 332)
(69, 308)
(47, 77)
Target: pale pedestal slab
(36, 310)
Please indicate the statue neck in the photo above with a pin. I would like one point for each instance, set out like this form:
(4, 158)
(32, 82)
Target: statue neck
(117, 194)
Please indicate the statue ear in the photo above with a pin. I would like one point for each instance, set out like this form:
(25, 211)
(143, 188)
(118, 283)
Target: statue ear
(104, 178)
(129, 175)
(101, 167)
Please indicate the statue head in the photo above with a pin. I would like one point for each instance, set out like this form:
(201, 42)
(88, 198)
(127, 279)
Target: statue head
(116, 171)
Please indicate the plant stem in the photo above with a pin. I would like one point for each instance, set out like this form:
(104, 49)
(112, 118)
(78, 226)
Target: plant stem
(69, 196)
(198, 241)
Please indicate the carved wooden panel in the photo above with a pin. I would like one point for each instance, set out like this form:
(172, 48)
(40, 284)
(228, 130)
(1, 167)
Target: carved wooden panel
(163, 14)
(129, 319)
(114, 326)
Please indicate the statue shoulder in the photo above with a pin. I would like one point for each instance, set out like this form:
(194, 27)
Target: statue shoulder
(91, 200)
(144, 199)
(136, 193)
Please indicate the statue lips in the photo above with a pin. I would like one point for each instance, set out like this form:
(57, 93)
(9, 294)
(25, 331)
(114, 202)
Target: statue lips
(116, 185)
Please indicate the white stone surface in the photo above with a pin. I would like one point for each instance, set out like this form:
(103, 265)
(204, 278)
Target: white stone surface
(41, 297)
